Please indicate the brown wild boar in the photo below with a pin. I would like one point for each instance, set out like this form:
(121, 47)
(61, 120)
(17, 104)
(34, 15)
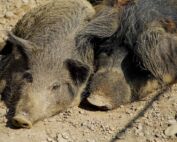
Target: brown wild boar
(46, 72)
(144, 28)
(146, 31)
(118, 81)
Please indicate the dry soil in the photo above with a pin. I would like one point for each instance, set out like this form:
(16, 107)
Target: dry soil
(154, 120)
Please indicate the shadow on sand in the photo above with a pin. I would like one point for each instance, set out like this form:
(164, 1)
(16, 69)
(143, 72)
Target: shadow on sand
(140, 114)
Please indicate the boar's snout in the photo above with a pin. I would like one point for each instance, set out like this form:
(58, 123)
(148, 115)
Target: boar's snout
(21, 122)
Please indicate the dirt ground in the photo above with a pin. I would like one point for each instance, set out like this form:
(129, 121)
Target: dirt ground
(154, 120)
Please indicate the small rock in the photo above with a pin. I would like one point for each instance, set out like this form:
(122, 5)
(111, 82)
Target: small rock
(121, 106)
(172, 121)
(90, 140)
(50, 140)
(91, 127)
(18, 4)
(84, 124)
(171, 130)
(9, 14)
(60, 138)
(81, 112)
(25, 1)
(140, 127)
(65, 135)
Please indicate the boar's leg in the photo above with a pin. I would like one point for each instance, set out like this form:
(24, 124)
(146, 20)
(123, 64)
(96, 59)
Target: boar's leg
(157, 49)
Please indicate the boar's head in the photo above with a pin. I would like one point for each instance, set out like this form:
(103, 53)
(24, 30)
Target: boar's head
(51, 83)
(108, 86)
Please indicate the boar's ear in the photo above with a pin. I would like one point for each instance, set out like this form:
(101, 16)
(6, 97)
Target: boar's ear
(27, 45)
(79, 72)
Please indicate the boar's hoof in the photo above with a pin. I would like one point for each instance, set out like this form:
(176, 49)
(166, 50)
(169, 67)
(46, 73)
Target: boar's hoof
(21, 122)
(100, 101)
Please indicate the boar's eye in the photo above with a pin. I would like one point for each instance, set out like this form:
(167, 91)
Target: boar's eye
(55, 86)
(28, 77)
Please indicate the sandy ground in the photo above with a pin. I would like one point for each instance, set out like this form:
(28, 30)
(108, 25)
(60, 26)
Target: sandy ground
(154, 120)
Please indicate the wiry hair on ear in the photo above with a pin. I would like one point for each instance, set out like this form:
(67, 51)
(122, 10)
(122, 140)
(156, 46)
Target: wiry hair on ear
(79, 72)
(25, 44)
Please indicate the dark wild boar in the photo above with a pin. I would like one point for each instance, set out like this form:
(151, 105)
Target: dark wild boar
(118, 81)
(51, 75)
(144, 28)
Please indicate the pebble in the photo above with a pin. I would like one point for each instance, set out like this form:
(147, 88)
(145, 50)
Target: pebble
(9, 14)
(171, 130)
(90, 140)
(25, 1)
(83, 124)
(172, 121)
(140, 127)
(50, 140)
(81, 111)
(121, 106)
(18, 4)
(60, 138)
(65, 135)
(92, 128)
(2, 112)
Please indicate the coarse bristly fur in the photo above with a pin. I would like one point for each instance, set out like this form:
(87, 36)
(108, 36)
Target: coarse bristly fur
(149, 30)
(146, 29)
(108, 87)
(49, 75)
(118, 81)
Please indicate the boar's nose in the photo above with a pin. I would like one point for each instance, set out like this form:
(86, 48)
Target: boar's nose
(21, 122)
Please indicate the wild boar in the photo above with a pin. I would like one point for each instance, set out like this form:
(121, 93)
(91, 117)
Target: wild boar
(118, 81)
(143, 27)
(146, 29)
(146, 67)
(46, 72)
